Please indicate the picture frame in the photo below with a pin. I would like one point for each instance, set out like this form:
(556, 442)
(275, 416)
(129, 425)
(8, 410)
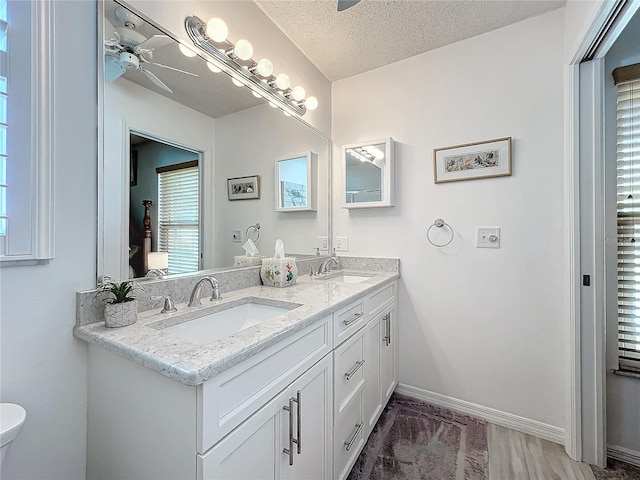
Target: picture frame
(471, 161)
(243, 188)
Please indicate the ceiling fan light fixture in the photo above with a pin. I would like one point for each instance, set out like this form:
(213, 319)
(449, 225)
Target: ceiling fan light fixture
(217, 30)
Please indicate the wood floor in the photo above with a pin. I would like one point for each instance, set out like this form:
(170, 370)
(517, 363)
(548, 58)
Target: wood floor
(517, 456)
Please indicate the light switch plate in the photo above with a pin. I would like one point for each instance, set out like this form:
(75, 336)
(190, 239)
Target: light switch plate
(324, 243)
(487, 237)
(342, 244)
(237, 236)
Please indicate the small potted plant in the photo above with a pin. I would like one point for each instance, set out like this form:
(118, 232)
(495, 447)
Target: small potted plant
(120, 307)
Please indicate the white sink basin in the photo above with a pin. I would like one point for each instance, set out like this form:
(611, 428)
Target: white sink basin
(347, 278)
(220, 324)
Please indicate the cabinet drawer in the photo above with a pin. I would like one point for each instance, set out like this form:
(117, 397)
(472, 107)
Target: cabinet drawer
(381, 299)
(228, 399)
(347, 321)
(349, 373)
(348, 440)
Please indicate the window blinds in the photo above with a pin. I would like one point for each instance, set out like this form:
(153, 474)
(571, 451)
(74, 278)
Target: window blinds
(178, 198)
(628, 206)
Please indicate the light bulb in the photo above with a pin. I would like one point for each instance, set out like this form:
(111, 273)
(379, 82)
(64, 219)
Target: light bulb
(243, 49)
(213, 68)
(283, 81)
(273, 105)
(297, 93)
(186, 51)
(264, 67)
(286, 114)
(311, 103)
(256, 94)
(217, 30)
(236, 82)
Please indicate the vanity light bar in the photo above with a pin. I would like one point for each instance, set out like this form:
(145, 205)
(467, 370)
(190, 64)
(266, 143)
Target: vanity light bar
(243, 71)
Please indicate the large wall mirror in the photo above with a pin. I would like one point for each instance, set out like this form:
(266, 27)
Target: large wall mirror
(173, 133)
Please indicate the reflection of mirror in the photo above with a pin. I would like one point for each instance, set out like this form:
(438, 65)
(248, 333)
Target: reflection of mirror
(296, 183)
(231, 133)
(368, 174)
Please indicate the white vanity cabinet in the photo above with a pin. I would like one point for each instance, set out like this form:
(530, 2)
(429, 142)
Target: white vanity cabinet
(288, 438)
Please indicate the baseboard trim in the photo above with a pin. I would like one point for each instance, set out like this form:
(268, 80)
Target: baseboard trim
(624, 455)
(504, 419)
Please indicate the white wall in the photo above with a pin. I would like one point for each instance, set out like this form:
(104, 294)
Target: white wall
(43, 367)
(483, 326)
(248, 143)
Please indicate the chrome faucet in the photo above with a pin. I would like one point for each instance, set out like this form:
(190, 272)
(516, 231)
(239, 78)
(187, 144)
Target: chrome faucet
(324, 267)
(194, 301)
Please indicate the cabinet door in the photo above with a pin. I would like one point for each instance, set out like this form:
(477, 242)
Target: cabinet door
(373, 398)
(389, 355)
(249, 452)
(311, 414)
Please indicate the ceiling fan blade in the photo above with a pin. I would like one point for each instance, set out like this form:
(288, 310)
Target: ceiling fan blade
(174, 69)
(151, 76)
(112, 68)
(344, 4)
(151, 43)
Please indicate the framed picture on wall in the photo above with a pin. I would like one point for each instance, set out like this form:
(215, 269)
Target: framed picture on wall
(243, 188)
(491, 158)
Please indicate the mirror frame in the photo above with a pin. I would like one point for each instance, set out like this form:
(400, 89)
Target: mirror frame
(387, 193)
(312, 178)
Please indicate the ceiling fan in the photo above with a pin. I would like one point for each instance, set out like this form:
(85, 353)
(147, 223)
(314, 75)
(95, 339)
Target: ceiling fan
(128, 49)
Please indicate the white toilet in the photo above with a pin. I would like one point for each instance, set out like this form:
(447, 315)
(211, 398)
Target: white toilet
(12, 417)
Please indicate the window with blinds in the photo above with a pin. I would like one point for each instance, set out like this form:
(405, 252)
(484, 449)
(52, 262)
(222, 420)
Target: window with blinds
(628, 206)
(178, 216)
(4, 26)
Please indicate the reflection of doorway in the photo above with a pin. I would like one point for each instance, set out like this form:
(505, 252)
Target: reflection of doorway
(169, 176)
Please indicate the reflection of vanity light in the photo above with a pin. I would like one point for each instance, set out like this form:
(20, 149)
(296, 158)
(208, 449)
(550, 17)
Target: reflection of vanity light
(213, 68)
(375, 151)
(186, 51)
(237, 83)
(158, 260)
(361, 154)
(235, 61)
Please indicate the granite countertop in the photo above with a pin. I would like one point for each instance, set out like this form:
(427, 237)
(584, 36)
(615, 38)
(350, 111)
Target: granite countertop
(193, 363)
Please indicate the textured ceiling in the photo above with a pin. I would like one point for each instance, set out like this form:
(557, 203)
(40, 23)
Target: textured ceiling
(374, 33)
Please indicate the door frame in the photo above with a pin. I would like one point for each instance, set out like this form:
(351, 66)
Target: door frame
(585, 435)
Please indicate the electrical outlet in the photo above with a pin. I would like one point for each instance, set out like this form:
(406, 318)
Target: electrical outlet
(342, 244)
(237, 236)
(324, 243)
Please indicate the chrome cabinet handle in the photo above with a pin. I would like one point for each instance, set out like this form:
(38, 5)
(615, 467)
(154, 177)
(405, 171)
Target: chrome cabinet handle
(353, 319)
(353, 371)
(298, 440)
(289, 451)
(349, 444)
(387, 329)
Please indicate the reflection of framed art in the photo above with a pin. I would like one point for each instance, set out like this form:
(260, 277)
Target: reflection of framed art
(243, 188)
(473, 160)
(133, 168)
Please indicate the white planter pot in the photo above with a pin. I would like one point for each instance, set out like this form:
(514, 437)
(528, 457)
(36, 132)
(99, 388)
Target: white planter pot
(120, 314)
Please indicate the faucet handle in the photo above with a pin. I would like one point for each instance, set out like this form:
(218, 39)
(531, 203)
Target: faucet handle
(312, 272)
(169, 305)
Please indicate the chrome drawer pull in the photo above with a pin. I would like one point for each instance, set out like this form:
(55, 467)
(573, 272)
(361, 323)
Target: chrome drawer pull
(350, 374)
(353, 319)
(387, 329)
(349, 444)
(289, 408)
(298, 440)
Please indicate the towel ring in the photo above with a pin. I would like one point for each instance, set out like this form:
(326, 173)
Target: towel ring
(255, 229)
(439, 223)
